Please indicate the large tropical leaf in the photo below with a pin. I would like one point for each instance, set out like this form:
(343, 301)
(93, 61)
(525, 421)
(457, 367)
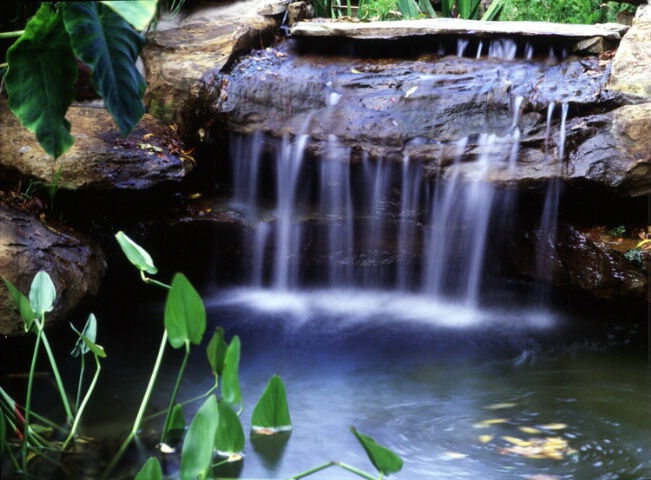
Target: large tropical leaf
(138, 13)
(229, 439)
(383, 459)
(185, 314)
(271, 413)
(198, 446)
(105, 42)
(42, 72)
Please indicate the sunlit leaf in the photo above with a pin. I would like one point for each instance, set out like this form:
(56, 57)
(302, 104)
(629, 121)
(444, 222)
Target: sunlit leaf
(383, 459)
(23, 303)
(530, 430)
(185, 314)
(138, 13)
(89, 344)
(216, 351)
(198, 447)
(137, 255)
(271, 413)
(500, 406)
(230, 379)
(150, 470)
(553, 426)
(485, 438)
(455, 455)
(40, 80)
(105, 42)
(176, 427)
(90, 332)
(42, 293)
(229, 439)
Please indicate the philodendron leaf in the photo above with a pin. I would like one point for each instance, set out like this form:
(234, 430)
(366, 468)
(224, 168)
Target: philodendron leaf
(138, 13)
(89, 332)
(105, 42)
(40, 80)
(271, 414)
(25, 307)
(176, 427)
(216, 351)
(383, 459)
(42, 293)
(229, 439)
(150, 470)
(198, 447)
(185, 314)
(136, 254)
(230, 379)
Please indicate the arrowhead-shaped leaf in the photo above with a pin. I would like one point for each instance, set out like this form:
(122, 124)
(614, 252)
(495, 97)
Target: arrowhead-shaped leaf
(272, 412)
(42, 293)
(150, 470)
(216, 351)
(23, 303)
(383, 459)
(136, 254)
(230, 379)
(89, 332)
(105, 42)
(176, 426)
(229, 439)
(185, 314)
(138, 13)
(42, 72)
(198, 446)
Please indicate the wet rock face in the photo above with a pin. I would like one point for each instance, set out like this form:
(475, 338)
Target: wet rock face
(389, 108)
(582, 259)
(27, 246)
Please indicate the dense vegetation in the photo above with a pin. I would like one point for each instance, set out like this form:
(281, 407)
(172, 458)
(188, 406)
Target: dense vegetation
(570, 11)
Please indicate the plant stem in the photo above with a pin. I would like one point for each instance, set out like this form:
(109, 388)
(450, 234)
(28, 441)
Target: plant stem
(151, 281)
(80, 410)
(143, 407)
(357, 471)
(81, 381)
(15, 34)
(313, 470)
(28, 400)
(57, 377)
(176, 391)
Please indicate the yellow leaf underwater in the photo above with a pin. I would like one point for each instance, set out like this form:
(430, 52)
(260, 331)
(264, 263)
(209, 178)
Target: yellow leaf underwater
(529, 430)
(485, 438)
(489, 422)
(455, 455)
(517, 441)
(554, 426)
(500, 406)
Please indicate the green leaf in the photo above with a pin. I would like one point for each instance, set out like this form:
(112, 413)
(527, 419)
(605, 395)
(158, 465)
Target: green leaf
(216, 351)
(185, 314)
(446, 8)
(150, 470)
(229, 439)
(138, 13)
(271, 413)
(42, 293)
(176, 426)
(230, 379)
(408, 8)
(110, 47)
(493, 10)
(136, 254)
(88, 344)
(198, 447)
(40, 80)
(383, 459)
(25, 307)
(426, 6)
(90, 332)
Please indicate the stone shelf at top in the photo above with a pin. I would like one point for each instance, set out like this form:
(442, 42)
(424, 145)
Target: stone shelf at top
(590, 38)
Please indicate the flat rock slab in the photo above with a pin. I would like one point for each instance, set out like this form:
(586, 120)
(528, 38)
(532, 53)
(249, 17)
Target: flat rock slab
(457, 26)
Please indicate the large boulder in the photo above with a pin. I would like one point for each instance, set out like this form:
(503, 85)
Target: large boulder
(28, 245)
(100, 158)
(632, 64)
(189, 46)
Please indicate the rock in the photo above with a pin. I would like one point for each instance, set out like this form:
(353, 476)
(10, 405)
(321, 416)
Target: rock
(585, 259)
(572, 34)
(630, 71)
(27, 246)
(100, 159)
(270, 9)
(187, 48)
(299, 11)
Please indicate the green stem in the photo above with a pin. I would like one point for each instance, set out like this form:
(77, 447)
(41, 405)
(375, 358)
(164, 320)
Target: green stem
(151, 281)
(62, 391)
(28, 400)
(313, 470)
(357, 471)
(80, 411)
(11, 34)
(81, 380)
(186, 402)
(175, 392)
(141, 411)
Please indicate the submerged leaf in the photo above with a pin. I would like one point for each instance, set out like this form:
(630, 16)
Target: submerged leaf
(489, 422)
(485, 438)
(554, 426)
(531, 430)
(500, 406)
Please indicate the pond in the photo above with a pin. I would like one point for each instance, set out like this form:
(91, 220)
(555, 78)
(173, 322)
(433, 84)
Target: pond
(456, 391)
